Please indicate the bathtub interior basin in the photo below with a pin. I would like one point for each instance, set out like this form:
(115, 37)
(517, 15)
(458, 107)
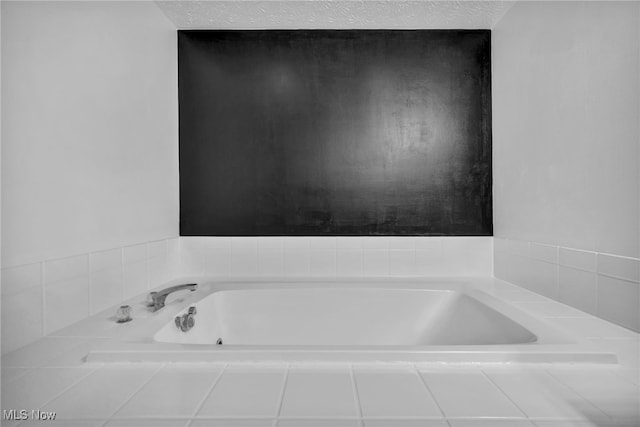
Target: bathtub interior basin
(346, 317)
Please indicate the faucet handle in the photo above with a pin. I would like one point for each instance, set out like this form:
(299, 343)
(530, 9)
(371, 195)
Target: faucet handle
(192, 310)
(151, 299)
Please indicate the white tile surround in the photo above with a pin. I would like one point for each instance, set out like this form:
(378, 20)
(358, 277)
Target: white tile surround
(53, 294)
(43, 297)
(604, 285)
(336, 256)
(51, 375)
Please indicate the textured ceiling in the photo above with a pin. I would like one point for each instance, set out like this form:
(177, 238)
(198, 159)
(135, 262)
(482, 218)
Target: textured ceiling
(322, 14)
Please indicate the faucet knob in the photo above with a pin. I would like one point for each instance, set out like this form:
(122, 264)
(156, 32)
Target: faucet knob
(151, 299)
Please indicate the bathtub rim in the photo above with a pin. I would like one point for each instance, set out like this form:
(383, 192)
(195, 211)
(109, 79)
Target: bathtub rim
(552, 346)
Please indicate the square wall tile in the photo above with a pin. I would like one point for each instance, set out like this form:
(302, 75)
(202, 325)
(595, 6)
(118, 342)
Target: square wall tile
(215, 242)
(500, 244)
(432, 263)
(19, 279)
(157, 271)
(468, 256)
(349, 262)
(456, 244)
(173, 252)
(270, 242)
(548, 253)
(22, 321)
(192, 255)
(375, 262)
(296, 243)
(581, 260)
(349, 243)
(296, 262)
(216, 261)
(65, 303)
(105, 260)
(271, 261)
(134, 279)
(402, 262)
(322, 262)
(578, 289)
(134, 253)
(619, 301)
(106, 288)
(542, 277)
(430, 244)
(245, 394)
(244, 244)
(619, 267)
(322, 243)
(375, 243)
(157, 249)
(504, 268)
(244, 257)
(519, 247)
(406, 243)
(65, 269)
(318, 393)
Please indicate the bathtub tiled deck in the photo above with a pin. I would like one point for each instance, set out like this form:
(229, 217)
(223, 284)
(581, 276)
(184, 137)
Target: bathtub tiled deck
(50, 375)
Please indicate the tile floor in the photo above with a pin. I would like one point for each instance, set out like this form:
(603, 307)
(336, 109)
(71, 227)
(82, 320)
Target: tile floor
(50, 375)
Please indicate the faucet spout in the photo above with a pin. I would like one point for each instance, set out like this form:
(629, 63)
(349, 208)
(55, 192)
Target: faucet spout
(155, 300)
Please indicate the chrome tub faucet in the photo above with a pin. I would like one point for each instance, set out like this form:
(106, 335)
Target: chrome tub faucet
(155, 300)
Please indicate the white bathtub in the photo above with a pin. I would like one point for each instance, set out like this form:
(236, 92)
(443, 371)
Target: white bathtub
(358, 321)
(320, 316)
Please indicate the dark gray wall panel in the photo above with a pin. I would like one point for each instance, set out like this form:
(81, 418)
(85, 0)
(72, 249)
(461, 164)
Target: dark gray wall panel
(335, 132)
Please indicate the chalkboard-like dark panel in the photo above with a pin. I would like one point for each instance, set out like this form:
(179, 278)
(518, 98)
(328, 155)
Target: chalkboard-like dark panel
(335, 132)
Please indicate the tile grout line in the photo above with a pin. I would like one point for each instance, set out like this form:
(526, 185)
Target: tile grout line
(44, 301)
(146, 265)
(122, 293)
(208, 393)
(73, 384)
(282, 391)
(356, 396)
(128, 399)
(568, 387)
(433, 396)
(89, 298)
(20, 375)
(598, 304)
(613, 276)
(505, 394)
